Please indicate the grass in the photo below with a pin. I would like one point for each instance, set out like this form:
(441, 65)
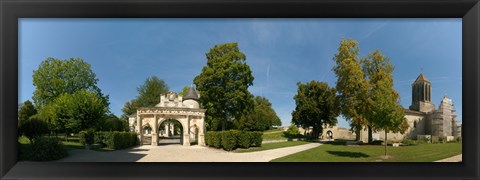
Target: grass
(373, 153)
(268, 146)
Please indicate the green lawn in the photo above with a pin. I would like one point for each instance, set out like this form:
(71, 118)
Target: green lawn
(268, 146)
(372, 153)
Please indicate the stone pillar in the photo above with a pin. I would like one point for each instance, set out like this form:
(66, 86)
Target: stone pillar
(172, 129)
(155, 131)
(186, 131)
(201, 132)
(140, 129)
(167, 129)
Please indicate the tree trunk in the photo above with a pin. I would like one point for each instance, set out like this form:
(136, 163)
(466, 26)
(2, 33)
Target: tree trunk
(370, 138)
(223, 124)
(386, 130)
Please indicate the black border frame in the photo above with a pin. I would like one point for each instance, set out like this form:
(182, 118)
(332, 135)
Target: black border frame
(11, 10)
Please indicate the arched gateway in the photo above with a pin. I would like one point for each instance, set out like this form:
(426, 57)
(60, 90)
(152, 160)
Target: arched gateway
(185, 110)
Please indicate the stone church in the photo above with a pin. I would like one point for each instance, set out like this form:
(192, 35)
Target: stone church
(424, 120)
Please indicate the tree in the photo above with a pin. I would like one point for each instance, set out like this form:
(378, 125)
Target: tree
(55, 77)
(223, 85)
(26, 111)
(148, 96)
(351, 85)
(262, 117)
(316, 105)
(184, 91)
(33, 128)
(79, 111)
(110, 122)
(384, 109)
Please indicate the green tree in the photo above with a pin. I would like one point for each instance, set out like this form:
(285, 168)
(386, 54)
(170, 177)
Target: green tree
(262, 117)
(110, 122)
(55, 77)
(26, 111)
(223, 85)
(148, 96)
(79, 111)
(316, 105)
(33, 128)
(184, 91)
(384, 109)
(351, 85)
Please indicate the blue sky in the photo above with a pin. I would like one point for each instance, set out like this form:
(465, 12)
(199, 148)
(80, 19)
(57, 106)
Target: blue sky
(280, 52)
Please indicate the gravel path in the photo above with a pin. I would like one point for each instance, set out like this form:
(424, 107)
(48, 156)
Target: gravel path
(456, 158)
(179, 153)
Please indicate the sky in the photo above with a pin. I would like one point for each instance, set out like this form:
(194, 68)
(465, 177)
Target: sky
(280, 52)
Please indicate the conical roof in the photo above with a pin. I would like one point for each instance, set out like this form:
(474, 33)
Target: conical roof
(192, 94)
(421, 78)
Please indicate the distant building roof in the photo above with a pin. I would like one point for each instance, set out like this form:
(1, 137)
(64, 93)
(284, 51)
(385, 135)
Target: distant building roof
(192, 94)
(421, 78)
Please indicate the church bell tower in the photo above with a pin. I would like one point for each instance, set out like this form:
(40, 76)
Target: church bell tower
(421, 95)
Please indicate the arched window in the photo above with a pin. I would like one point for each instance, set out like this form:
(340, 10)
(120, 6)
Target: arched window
(414, 124)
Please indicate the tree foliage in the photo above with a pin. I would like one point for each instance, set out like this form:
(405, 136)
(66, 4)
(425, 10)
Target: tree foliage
(262, 117)
(26, 111)
(316, 105)
(184, 91)
(148, 96)
(223, 85)
(384, 109)
(55, 77)
(351, 85)
(79, 111)
(110, 122)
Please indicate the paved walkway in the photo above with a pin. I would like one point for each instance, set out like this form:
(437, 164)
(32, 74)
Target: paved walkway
(179, 153)
(456, 158)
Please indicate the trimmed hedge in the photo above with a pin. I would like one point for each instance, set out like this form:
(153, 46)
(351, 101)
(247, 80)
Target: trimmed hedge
(112, 139)
(232, 139)
(86, 137)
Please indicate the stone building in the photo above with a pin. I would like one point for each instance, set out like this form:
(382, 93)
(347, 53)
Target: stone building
(422, 117)
(174, 115)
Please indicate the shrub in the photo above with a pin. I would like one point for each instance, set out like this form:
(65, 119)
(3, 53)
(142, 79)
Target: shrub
(47, 149)
(86, 137)
(33, 128)
(244, 139)
(229, 139)
(256, 139)
(409, 142)
(377, 142)
(292, 131)
(99, 138)
(209, 138)
(217, 140)
(119, 140)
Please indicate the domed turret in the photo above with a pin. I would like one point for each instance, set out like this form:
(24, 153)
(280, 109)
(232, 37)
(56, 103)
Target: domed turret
(191, 99)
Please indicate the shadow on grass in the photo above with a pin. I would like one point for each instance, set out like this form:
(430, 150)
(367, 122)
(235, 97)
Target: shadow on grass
(348, 154)
(335, 142)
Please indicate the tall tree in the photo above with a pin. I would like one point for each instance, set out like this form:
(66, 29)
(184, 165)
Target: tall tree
(223, 85)
(316, 105)
(384, 109)
(55, 77)
(26, 111)
(262, 117)
(148, 96)
(351, 85)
